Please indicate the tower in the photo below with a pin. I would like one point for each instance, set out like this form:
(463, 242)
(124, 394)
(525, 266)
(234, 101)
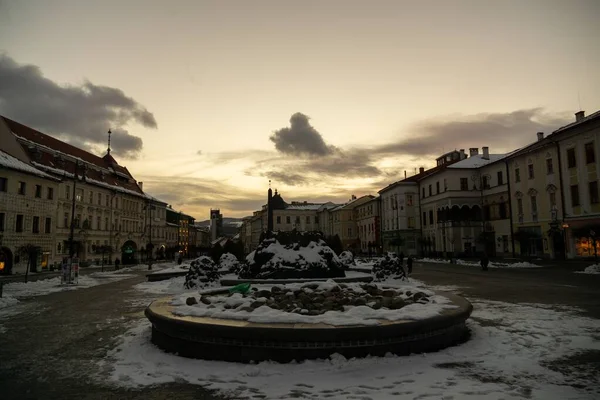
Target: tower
(270, 209)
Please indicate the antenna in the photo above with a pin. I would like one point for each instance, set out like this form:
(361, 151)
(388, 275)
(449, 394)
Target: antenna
(579, 100)
(109, 133)
(269, 184)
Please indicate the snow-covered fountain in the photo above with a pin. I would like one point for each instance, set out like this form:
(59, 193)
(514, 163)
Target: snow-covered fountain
(290, 302)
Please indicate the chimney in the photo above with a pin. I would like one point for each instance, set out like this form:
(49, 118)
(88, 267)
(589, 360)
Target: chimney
(540, 136)
(579, 115)
(473, 151)
(462, 154)
(404, 174)
(421, 170)
(141, 185)
(486, 153)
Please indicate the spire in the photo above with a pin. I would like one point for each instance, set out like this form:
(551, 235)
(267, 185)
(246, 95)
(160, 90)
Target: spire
(108, 150)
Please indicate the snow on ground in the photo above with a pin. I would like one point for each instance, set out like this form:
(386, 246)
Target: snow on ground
(592, 269)
(166, 287)
(47, 286)
(523, 264)
(515, 352)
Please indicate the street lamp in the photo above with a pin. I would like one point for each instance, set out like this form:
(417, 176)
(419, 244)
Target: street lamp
(565, 226)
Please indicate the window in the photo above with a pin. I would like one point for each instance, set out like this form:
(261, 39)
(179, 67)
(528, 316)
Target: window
(316, 219)
(520, 206)
(464, 184)
(500, 178)
(307, 219)
(423, 196)
(36, 225)
(66, 220)
(50, 194)
(3, 184)
(486, 182)
(552, 199)
(99, 199)
(297, 221)
(502, 211)
(571, 160)
(106, 224)
(91, 197)
(22, 187)
(78, 221)
(534, 205)
(79, 195)
(38, 191)
(117, 202)
(2, 217)
(48, 225)
(430, 217)
(549, 166)
(288, 220)
(530, 171)
(430, 192)
(107, 201)
(517, 175)
(574, 195)
(349, 232)
(410, 222)
(445, 184)
(19, 224)
(68, 192)
(437, 187)
(279, 219)
(409, 200)
(590, 155)
(424, 218)
(593, 186)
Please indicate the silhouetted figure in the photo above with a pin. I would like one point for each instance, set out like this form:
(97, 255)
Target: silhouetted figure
(179, 260)
(409, 263)
(117, 263)
(485, 261)
(401, 257)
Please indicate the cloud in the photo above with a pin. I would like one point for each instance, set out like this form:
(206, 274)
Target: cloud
(197, 197)
(79, 114)
(199, 152)
(500, 131)
(301, 139)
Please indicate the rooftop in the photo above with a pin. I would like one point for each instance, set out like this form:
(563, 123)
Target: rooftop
(477, 161)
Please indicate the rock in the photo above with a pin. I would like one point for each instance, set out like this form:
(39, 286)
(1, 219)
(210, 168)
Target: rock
(276, 289)
(312, 286)
(314, 312)
(377, 305)
(388, 293)
(419, 295)
(190, 301)
(257, 303)
(335, 289)
(397, 303)
(263, 293)
(360, 301)
(387, 302)
(205, 300)
(247, 309)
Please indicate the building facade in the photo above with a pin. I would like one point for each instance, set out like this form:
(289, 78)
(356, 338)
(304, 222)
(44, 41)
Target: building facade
(368, 221)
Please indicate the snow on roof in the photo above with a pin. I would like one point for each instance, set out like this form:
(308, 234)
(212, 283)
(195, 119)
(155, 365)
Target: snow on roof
(302, 206)
(477, 161)
(8, 161)
(584, 119)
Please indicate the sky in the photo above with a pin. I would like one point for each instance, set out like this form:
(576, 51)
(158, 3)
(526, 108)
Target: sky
(209, 100)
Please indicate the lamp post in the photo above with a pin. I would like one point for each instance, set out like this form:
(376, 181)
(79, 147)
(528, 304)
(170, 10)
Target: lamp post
(565, 226)
(72, 227)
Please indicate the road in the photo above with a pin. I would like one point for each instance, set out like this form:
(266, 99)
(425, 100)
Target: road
(50, 351)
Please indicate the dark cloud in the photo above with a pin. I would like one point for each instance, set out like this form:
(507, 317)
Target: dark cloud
(301, 139)
(199, 152)
(79, 114)
(500, 131)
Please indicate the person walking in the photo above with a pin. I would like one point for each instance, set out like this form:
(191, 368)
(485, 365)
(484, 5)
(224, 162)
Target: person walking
(117, 263)
(409, 264)
(485, 261)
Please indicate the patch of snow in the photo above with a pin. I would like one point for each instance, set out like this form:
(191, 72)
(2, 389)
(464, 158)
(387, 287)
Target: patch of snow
(506, 358)
(8, 161)
(7, 301)
(523, 264)
(592, 269)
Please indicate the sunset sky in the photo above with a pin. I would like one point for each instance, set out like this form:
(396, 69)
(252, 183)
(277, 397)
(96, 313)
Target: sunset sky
(209, 99)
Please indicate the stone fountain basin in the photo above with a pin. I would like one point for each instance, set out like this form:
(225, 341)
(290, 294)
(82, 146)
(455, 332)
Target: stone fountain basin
(243, 341)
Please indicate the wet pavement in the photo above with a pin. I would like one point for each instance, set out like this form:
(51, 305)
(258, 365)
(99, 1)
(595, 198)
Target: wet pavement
(51, 350)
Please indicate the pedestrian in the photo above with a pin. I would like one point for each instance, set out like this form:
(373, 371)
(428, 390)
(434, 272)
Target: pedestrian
(401, 257)
(179, 260)
(117, 263)
(484, 261)
(409, 263)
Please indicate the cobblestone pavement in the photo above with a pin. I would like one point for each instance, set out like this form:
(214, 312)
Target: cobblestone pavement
(50, 351)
